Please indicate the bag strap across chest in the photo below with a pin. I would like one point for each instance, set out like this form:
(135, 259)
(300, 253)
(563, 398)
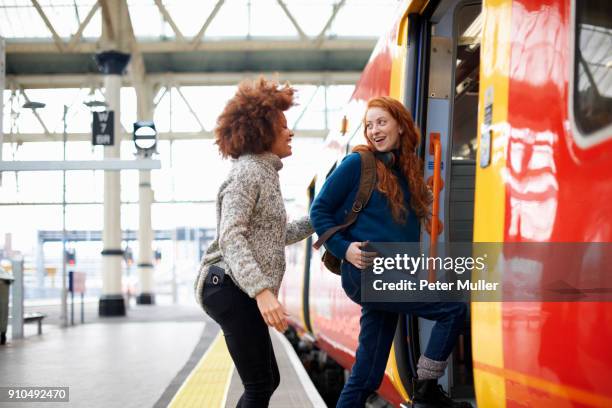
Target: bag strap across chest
(367, 182)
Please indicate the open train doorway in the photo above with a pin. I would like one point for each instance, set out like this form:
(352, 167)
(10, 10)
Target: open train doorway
(442, 91)
(462, 172)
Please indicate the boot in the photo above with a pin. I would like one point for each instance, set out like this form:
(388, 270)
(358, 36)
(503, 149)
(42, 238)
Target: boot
(3, 338)
(428, 394)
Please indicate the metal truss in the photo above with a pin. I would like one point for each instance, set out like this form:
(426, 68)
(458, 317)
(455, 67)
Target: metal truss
(118, 33)
(114, 23)
(20, 138)
(181, 79)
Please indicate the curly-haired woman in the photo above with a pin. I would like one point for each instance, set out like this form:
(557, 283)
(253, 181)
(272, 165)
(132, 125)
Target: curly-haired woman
(242, 269)
(397, 205)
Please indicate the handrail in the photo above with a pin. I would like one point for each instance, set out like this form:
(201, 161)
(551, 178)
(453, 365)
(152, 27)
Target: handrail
(435, 149)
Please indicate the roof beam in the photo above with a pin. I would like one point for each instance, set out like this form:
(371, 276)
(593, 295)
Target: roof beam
(77, 36)
(305, 108)
(197, 40)
(56, 38)
(115, 30)
(72, 137)
(169, 20)
(178, 89)
(321, 37)
(157, 100)
(181, 79)
(106, 164)
(137, 67)
(301, 33)
(89, 47)
(108, 31)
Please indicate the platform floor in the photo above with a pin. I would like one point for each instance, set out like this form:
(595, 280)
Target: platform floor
(157, 356)
(295, 389)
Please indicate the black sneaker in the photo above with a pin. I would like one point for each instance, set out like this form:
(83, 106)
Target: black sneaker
(428, 394)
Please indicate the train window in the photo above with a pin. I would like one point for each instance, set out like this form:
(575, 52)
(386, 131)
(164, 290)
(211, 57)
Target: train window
(591, 91)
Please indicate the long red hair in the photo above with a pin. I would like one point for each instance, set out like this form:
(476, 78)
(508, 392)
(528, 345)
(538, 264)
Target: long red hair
(410, 165)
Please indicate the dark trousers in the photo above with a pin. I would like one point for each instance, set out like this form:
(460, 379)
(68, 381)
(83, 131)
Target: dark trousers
(378, 323)
(247, 338)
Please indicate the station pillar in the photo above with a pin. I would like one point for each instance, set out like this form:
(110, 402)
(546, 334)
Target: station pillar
(145, 239)
(145, 201)
(112, 64)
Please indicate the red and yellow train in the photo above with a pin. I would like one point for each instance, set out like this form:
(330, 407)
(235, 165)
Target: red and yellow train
(520, 94)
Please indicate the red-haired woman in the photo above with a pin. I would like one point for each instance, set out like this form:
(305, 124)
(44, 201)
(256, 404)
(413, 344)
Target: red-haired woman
(398, 204)
(242, 269)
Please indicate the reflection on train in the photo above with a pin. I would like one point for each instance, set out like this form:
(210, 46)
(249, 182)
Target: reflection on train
(520, 94)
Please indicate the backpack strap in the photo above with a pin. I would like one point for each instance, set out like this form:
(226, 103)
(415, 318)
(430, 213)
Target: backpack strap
(367, 181)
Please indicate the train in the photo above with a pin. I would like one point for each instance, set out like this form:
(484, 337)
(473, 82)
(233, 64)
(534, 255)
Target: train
(517, 94)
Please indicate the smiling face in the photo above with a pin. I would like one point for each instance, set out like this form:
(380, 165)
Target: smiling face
(382, 129)
(282, 144)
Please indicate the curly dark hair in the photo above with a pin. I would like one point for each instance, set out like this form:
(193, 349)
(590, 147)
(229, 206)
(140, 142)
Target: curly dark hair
(249, 121)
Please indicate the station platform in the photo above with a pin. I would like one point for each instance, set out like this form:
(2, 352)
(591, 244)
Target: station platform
(157, 356)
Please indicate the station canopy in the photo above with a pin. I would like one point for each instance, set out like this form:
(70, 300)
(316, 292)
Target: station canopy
(203, 36)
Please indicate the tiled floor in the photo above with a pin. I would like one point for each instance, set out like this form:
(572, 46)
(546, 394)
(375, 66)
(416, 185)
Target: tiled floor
(112, 362)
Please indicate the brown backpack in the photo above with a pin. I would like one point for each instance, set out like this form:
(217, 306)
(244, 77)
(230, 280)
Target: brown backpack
(367, 181)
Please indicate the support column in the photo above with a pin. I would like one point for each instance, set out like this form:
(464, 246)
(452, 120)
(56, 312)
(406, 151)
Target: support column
(112, 64)
(145, 239)
(145, 200)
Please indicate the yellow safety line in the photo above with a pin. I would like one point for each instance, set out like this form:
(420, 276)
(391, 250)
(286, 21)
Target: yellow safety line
(208, 383)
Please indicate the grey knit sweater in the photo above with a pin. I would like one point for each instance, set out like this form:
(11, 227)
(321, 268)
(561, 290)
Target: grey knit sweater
(252, 228)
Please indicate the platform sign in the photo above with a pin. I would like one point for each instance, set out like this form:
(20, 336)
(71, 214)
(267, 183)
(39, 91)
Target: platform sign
(76, 282)
(2, 75)
(103, 128)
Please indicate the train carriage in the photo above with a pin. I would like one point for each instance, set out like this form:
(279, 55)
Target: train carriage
(518, 94)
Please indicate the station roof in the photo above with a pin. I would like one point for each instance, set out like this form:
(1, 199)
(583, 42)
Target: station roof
(224, 56)
(60, 37)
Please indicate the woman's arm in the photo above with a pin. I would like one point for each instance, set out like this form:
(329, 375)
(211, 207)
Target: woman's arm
(298, 230)
(238, 202)
(331, 197)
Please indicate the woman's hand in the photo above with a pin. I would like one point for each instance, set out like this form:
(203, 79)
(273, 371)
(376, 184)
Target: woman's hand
(271, 310)
(357, 256)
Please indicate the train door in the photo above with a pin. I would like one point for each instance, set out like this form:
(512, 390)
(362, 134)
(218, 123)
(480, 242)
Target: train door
(442, 93)
(307, 262)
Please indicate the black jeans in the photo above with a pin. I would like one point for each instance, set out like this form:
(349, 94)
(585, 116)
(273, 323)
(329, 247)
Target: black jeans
(247, 338)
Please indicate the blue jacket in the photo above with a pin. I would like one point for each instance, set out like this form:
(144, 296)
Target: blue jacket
(375, 222)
